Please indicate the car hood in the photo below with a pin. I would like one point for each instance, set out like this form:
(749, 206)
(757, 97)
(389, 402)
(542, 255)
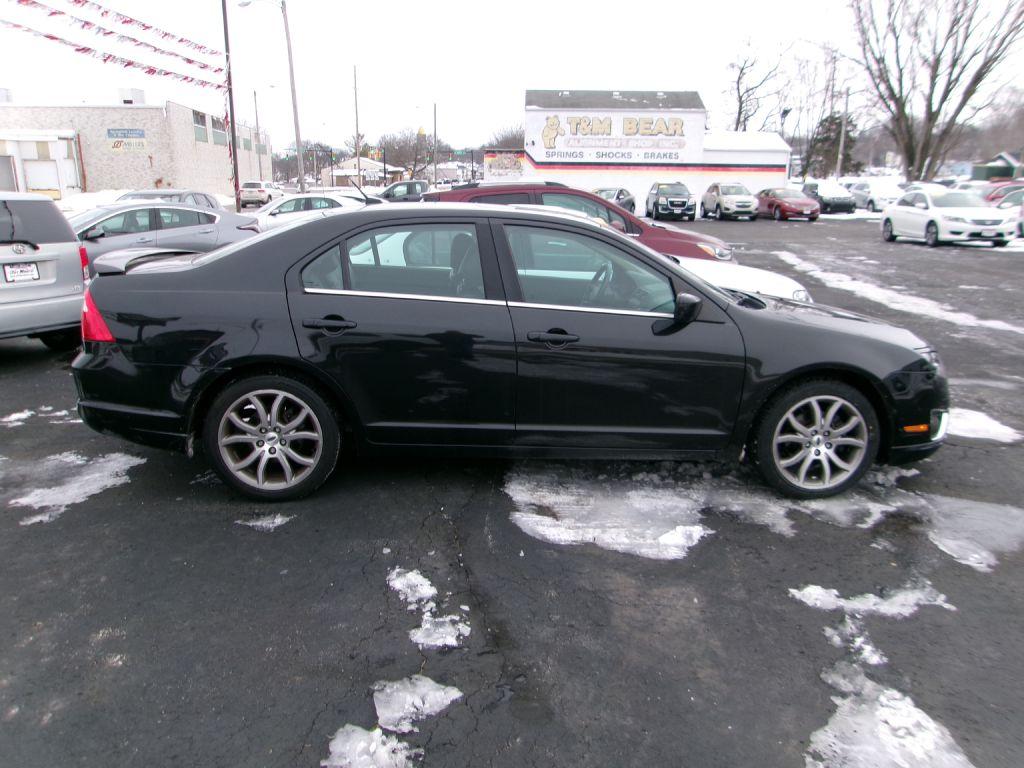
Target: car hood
(746, 279)
(798, 202)
(836, 319)
(739, 199)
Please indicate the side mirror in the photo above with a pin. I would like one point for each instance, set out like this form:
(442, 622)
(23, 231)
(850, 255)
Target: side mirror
(686, 310)
(93, 234)
(1005, 204)
(922, 206)
(274, 212)
(618, 226)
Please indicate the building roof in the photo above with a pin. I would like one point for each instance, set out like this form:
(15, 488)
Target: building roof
(614, 100)
(755, 141)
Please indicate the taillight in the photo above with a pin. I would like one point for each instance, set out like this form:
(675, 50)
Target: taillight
(94, 328)
(84, 258)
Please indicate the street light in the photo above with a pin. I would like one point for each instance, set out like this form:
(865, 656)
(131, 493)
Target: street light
(282, 4)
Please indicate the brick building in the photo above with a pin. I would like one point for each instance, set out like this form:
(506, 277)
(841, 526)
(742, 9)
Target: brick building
(62, 150)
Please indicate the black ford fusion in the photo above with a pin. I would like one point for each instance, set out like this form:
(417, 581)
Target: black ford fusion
(486, 330)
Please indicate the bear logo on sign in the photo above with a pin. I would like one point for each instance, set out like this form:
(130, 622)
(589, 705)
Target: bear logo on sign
(552, 130)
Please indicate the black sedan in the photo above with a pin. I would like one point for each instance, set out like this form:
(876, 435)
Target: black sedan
(487, 330)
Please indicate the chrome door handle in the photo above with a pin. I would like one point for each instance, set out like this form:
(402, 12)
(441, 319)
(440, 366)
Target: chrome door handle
(555, 338)
(144, 240)
(329, 324)
(205, 231)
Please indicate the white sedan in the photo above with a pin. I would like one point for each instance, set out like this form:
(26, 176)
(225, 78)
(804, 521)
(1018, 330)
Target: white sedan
(945, 216)
(291, 208)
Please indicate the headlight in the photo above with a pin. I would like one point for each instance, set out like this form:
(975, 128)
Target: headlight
(662, 201)
(801, 294)
(957, 219)
(724, 254)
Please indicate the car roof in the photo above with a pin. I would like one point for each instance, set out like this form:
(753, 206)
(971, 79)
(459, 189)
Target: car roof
(21, 196)
(128, 205)
(157, 192)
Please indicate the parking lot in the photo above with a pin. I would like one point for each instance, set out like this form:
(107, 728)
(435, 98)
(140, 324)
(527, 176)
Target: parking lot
(595, 613)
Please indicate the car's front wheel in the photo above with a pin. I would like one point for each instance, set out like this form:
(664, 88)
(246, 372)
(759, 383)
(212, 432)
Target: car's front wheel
(871, 206)
(931, 235)
(777, 214)
(703, 211)
(887, 234)
(62, 341)
(816, 439)
(272, 438)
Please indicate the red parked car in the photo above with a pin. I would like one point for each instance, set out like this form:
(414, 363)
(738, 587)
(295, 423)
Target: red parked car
(783, 203)
(997, 190)
(663, 239)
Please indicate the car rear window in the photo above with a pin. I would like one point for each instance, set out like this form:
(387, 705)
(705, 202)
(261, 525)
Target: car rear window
(252, 185)
(37, 221)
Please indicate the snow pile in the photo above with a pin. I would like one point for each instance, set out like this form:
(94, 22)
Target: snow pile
(972, 532)
(86, 201)
(879, 727)
(850, 634)
(355, 747)
(964, 422)
(419, 593)
(401, 703)
(898, 300)
(267, 522)
(896, 605)
(87, 478)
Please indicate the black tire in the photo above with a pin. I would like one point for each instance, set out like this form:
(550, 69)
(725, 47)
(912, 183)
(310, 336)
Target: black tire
(325, 418)
(773, 421)
(703, 211)
(691, 217)
(999, 243)
(654, 212)
(813, 218)
(931, 235)
(777, 214)
(718, 213)
(632, 208)
(62, 341)
(887, 233)
(871, 207)
(753, 217)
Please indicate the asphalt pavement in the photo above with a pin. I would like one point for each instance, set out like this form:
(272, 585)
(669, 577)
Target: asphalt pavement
(618, 614)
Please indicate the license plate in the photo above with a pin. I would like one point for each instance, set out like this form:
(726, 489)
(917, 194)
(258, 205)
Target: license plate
(21, 273)
(988, 233)
(807, 213)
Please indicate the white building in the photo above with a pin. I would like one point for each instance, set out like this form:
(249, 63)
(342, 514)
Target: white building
(366, 172)
(632, 139)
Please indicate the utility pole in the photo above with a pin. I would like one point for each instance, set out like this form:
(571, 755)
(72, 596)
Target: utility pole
(355, 93)
(295, 101)
(842, 136)
(256, 109)
(435, 143)
(231, 109)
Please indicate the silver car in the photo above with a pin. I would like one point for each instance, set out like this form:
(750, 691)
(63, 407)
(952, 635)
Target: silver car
(876, 194)
(42, 272)
(728, 201)
(164, 225)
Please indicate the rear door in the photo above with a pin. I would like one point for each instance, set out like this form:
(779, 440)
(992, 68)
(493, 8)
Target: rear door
(410, 320)
(187, 229)
(596, 370)
(38, 255)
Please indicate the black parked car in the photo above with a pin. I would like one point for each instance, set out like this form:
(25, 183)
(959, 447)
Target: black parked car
(671, 201)
(476, 329)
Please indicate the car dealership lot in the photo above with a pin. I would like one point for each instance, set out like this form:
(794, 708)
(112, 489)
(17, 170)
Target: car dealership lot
(144, 625)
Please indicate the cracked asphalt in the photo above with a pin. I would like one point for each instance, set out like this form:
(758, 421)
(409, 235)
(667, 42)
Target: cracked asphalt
(144, 627)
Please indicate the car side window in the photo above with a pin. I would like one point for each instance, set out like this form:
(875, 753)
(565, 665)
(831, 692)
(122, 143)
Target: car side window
(291, 206)
(504, 198)
(920, 198)
(417, 259)
(128, 223)
(907, 201)
(172, 218)
(399, 190)
(323, 202)
(584, 204)
(567, 269)
(325, 271)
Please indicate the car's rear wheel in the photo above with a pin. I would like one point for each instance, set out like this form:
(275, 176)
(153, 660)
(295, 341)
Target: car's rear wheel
(816, 439)
(62, 341)
(272, 438)
(703, 211)
(931, 234)
(871, 206)
(887, 234)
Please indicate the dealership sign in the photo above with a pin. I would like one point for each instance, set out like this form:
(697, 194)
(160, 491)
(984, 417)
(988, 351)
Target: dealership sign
(620, 137)
(126, 139)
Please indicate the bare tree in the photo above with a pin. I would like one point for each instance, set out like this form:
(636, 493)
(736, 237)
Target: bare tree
(356, 144)
(926, 62)
(411, 150)
(751, 86)
(510, 137)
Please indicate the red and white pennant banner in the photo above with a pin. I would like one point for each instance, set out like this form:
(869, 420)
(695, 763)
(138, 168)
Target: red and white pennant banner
(121, 18)
(110, 33)
(110, 58)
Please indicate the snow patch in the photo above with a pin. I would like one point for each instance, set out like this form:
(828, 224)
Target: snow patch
(964, 422)
(92, 477)
(401, 703)
(16, 419)
(355, 747)
(972, 532)
(897, 604)
(413, 587)
(267, 522)
(439, 631)
(898, 300)
(878, 727)
(852, 636)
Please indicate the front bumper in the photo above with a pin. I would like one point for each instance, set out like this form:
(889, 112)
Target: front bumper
(729, 209)
(838, 206)
(677, 210)
(970, 231)
(23, 318)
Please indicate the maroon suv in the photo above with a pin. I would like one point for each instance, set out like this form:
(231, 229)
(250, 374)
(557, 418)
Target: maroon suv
(668, 240)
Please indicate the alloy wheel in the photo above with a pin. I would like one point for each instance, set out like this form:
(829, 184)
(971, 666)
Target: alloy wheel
(820, 442)
(270, 439)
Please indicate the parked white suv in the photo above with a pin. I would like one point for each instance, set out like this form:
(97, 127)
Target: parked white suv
(43, 271)
(728, 201)
(259, 192)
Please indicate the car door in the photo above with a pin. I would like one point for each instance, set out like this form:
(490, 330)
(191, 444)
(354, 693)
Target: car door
(916, 214)
(410, 320)
(597, 369)
(763, 206)
(134, 228)
(287, 212)
(902, 216)
(187, 229)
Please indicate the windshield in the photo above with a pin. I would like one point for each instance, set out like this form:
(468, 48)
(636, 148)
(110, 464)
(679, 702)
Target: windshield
(957, 200)
(673, 189)
(832, 190)
(790, 194)
(734, 189)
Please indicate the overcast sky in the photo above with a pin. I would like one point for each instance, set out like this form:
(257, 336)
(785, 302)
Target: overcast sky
(474, 59)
